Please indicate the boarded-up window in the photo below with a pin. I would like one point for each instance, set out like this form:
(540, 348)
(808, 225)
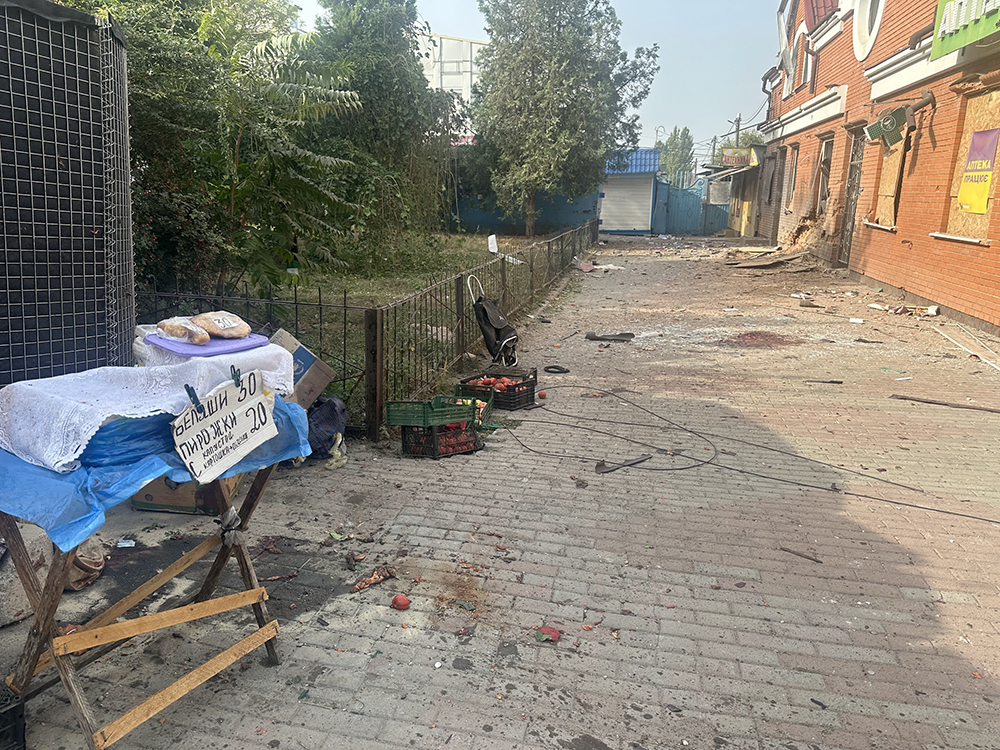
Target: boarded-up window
(794, 159)
(889, 184)
(823, 178)
(981, 113)
(768, 178)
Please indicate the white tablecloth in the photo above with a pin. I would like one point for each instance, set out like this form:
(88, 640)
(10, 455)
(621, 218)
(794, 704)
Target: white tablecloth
(49, 422)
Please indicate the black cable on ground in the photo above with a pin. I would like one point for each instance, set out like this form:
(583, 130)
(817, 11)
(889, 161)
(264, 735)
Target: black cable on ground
(750, 443)
(712, 461)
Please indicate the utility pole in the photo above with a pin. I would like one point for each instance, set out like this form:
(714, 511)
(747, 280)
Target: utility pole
(739, 117)
(714, 139)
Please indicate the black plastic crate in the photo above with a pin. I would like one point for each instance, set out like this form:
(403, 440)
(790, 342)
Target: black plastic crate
(11, 720)
(438, 441)
(517, 396)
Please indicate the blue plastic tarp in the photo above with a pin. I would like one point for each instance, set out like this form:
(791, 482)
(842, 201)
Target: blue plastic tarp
(70, 507)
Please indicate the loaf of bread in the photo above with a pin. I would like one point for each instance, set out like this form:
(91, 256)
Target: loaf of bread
(182, 329)
(222, 324)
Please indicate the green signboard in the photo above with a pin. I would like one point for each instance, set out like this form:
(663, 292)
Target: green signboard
(959, 23)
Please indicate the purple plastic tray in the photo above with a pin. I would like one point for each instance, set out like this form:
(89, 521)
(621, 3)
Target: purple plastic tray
(213, 348)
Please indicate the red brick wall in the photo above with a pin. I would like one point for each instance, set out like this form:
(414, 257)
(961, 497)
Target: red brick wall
(961, 276)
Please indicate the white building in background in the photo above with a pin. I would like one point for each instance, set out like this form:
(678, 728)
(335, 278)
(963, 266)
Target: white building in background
(450, 63)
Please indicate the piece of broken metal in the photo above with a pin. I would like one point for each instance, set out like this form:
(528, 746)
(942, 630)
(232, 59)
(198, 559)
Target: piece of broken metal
(944, 403)
(803, 555)
(603, 468)
(619, 337)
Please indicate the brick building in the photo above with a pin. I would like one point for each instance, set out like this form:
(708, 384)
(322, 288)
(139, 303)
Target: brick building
(888, 207)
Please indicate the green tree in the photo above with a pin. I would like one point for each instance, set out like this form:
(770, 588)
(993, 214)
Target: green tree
(752, 137)
(556, 97)
(283, 209)
(677, 154)
(399, 139)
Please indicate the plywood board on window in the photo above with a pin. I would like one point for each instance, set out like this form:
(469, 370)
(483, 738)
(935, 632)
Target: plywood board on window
(885, 209)
(981, 113)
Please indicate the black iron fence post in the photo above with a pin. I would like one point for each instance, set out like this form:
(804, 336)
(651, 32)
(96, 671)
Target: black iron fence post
(504, 293)
(374, 372)
(531, 273)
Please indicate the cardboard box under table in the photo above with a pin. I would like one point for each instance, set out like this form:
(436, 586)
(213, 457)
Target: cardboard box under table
(45, 645)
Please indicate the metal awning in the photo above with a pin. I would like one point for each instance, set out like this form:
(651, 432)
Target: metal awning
(731, 172)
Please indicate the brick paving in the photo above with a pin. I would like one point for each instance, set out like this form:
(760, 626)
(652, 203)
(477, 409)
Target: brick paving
(687, 618)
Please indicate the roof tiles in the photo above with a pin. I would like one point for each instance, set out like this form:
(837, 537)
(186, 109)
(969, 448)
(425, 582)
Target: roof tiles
(640, 161)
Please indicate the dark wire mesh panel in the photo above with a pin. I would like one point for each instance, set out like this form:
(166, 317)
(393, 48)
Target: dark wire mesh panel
(54, 290)
(117, 202)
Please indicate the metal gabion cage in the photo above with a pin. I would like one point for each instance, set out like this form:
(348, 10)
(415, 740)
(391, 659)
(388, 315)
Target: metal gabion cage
(67, 293)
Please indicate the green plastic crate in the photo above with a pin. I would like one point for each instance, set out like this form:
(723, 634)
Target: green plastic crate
(482, 394)
(439, 410)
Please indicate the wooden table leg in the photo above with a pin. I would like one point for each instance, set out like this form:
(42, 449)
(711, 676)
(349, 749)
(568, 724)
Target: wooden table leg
(43, 628)
(44, 621)
(246, 513)
(22, 560)
(242, 553)
(260, 612)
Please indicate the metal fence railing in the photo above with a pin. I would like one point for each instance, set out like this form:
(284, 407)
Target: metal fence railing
(332, 330)
(401, 350)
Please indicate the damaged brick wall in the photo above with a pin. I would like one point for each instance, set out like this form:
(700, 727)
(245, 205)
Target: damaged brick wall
(962, 276)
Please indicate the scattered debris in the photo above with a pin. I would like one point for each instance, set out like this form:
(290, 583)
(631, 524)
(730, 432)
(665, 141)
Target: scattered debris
(547, 634)
(352, 558)
(304, 694)
(280, 578)
(810, 303)
(868, 341)
(270, 544)
(962, 346)
(621, 337)
(339, 537)
(437, 665)
(857, 320)
(909, 377)
(378, 576)
(399, 601)
(829, 382)
(760, 340)
(944, 403)
(772, 260)
(588, 627)
(556, 369)
(125, 543)
(730, 309)
(803, 555)
(541, 394)
(818, 703)
(467, 606)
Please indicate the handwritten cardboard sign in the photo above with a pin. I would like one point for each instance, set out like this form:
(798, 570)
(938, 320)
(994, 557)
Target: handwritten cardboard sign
(235, 421)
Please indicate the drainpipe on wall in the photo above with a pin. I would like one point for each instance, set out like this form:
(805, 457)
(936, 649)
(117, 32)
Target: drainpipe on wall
(918, 36)
(927, 99)
(763, 87)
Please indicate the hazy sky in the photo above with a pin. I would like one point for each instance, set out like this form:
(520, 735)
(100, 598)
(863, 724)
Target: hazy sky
(712, 55)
